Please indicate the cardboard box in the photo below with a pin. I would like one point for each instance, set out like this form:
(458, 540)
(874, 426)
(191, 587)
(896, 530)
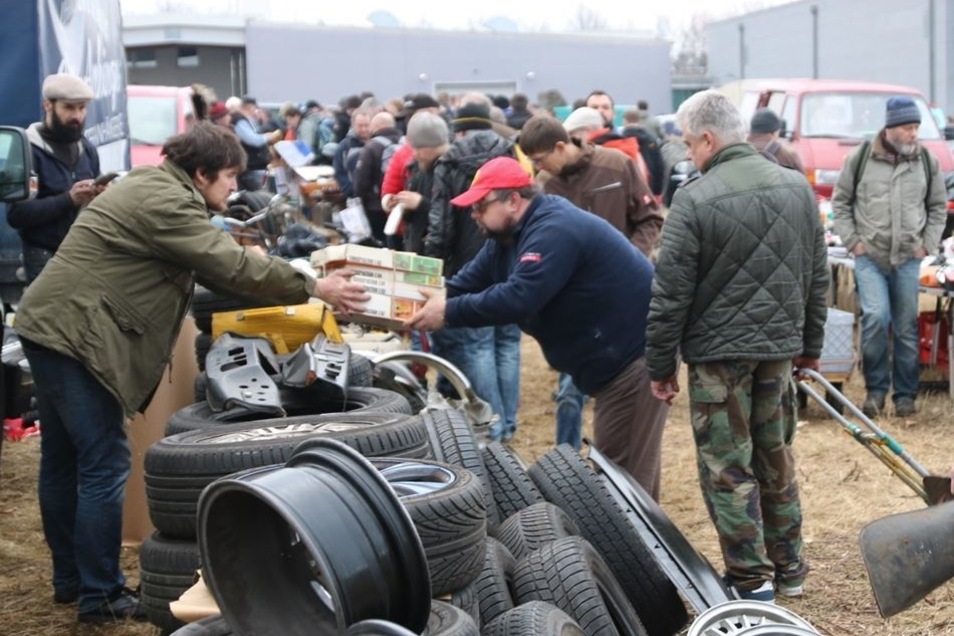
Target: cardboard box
(359, 255)
(393, 279)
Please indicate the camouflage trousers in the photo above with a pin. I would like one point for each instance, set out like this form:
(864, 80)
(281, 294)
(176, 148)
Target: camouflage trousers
(743, 421)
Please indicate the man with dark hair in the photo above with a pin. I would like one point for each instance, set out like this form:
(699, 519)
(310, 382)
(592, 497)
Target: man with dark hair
(601, 101)
(649, 121)
(606, 183)
(519, 111)
(66, 164)
(648, 147)
(568, 279)
(245, 121)
(98, 326)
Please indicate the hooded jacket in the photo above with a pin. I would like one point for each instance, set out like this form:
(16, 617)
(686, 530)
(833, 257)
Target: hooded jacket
(44, 221)
(451, 234)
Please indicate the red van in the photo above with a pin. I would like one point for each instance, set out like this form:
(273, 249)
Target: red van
(824, 120)
(155, 114)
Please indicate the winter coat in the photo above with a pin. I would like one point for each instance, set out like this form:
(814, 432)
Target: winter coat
(743, 269)
(44, 221)
(568, 279)
(451, 234)
(114, 295)
(890, 210)
(607, 183)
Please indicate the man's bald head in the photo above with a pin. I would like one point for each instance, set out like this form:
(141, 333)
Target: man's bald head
(381, 121)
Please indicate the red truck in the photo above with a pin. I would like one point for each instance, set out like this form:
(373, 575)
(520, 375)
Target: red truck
(826, 119)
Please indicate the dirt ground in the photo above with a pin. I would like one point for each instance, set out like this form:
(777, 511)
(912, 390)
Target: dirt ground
(843, 488)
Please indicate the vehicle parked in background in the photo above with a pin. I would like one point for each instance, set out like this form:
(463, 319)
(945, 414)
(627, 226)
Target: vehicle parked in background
(155, 114)
(824, 120)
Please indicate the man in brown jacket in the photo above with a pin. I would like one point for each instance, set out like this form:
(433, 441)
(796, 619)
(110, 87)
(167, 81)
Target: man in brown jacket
(764, 132)
(607, 183)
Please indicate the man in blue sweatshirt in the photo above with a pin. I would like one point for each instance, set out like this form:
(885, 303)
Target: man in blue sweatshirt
(577, 285)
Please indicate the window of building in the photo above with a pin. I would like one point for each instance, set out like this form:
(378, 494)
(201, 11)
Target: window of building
(141, 58)
(188, 57)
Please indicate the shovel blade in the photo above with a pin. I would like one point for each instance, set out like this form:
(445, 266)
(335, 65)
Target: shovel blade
(908, 555)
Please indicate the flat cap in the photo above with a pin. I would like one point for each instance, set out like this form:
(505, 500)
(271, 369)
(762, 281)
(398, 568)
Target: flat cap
(66, 87)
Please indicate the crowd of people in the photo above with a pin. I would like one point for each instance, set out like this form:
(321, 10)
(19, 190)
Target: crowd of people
(548, 227)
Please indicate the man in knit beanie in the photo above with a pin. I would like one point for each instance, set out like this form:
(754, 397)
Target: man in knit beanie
(764, 134)
(890, 208)
(429, 138)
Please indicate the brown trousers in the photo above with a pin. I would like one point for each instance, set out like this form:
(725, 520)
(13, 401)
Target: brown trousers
(628, 422)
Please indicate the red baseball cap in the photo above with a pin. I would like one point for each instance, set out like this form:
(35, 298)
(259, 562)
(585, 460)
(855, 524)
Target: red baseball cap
(502, 173)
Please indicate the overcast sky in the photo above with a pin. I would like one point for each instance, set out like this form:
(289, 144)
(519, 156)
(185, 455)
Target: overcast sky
(554, 15)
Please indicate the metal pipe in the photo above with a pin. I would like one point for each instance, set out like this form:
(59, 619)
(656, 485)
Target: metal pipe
(741, 51)
(814, 10)
(932, 58)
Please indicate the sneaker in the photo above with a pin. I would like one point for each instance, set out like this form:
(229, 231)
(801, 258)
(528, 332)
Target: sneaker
(874, 404)
(126, 606)
(790, 591)
(764, 593)
(903, 407)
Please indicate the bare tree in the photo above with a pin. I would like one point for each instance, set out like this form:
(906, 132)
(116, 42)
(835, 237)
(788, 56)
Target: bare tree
(689, 56)
(587, 20)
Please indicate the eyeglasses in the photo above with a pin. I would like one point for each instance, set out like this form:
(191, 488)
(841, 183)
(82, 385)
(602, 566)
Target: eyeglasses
(481, 206)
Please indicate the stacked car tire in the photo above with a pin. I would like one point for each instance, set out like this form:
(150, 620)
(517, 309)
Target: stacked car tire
(509, 550)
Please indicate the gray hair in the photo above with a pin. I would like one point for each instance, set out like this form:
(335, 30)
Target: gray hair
(475, 98)
(711, 111)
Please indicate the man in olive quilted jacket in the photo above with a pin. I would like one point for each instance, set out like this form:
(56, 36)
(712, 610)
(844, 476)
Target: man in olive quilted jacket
(739, 291)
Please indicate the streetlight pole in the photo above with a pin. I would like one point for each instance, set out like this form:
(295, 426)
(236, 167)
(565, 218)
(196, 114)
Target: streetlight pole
(741, 51)
(814, 10)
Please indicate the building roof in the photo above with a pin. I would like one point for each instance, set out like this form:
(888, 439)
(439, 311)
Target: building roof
(158, 30)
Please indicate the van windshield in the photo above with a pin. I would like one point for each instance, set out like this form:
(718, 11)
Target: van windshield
(152, 120)
(855, 115)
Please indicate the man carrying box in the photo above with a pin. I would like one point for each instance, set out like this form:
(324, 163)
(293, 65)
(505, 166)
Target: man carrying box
(577, 285)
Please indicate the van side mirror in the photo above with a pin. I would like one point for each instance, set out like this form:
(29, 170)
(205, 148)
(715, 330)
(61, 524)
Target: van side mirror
(949, 133)
(15, 165)
(783, 129)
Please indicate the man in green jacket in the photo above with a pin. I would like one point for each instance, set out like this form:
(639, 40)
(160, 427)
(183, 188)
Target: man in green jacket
(740, 293)
(98, 326)
(890, 208)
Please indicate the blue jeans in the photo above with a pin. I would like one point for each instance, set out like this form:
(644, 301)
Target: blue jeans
(84, 463)
(889, 305)
(569, 412)
(490, 358)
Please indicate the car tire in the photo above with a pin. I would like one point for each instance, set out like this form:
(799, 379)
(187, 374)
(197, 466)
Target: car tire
(537, 618)
(571, 574)
(360, 400)
(535, 526)
(565, 479)
(511, 485)
(178, 467)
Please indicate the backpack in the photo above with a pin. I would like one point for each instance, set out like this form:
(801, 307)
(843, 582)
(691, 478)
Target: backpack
(390, 148)
(863, 161)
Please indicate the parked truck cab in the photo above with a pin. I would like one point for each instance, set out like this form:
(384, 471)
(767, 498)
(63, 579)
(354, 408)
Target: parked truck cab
(824, 120)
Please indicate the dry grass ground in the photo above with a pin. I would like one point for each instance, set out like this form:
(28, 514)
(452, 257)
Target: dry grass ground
(843, 488)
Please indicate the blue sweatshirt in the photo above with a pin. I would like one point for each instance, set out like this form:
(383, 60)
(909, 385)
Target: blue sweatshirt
(569, 279)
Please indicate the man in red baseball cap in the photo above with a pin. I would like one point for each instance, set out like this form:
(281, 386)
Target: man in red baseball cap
(576, 284)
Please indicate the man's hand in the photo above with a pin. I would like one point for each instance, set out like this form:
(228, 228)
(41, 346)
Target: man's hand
(858, 249)
(802, 362)
(83, 192)
(430, 317)
(665, 390)
(920, 253)
(337, 290)
(410, 200)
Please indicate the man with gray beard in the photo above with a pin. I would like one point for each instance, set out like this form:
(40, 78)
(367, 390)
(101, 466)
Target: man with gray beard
(890, 210)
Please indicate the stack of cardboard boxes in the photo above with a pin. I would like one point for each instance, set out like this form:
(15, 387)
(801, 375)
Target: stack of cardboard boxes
(393, 279)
